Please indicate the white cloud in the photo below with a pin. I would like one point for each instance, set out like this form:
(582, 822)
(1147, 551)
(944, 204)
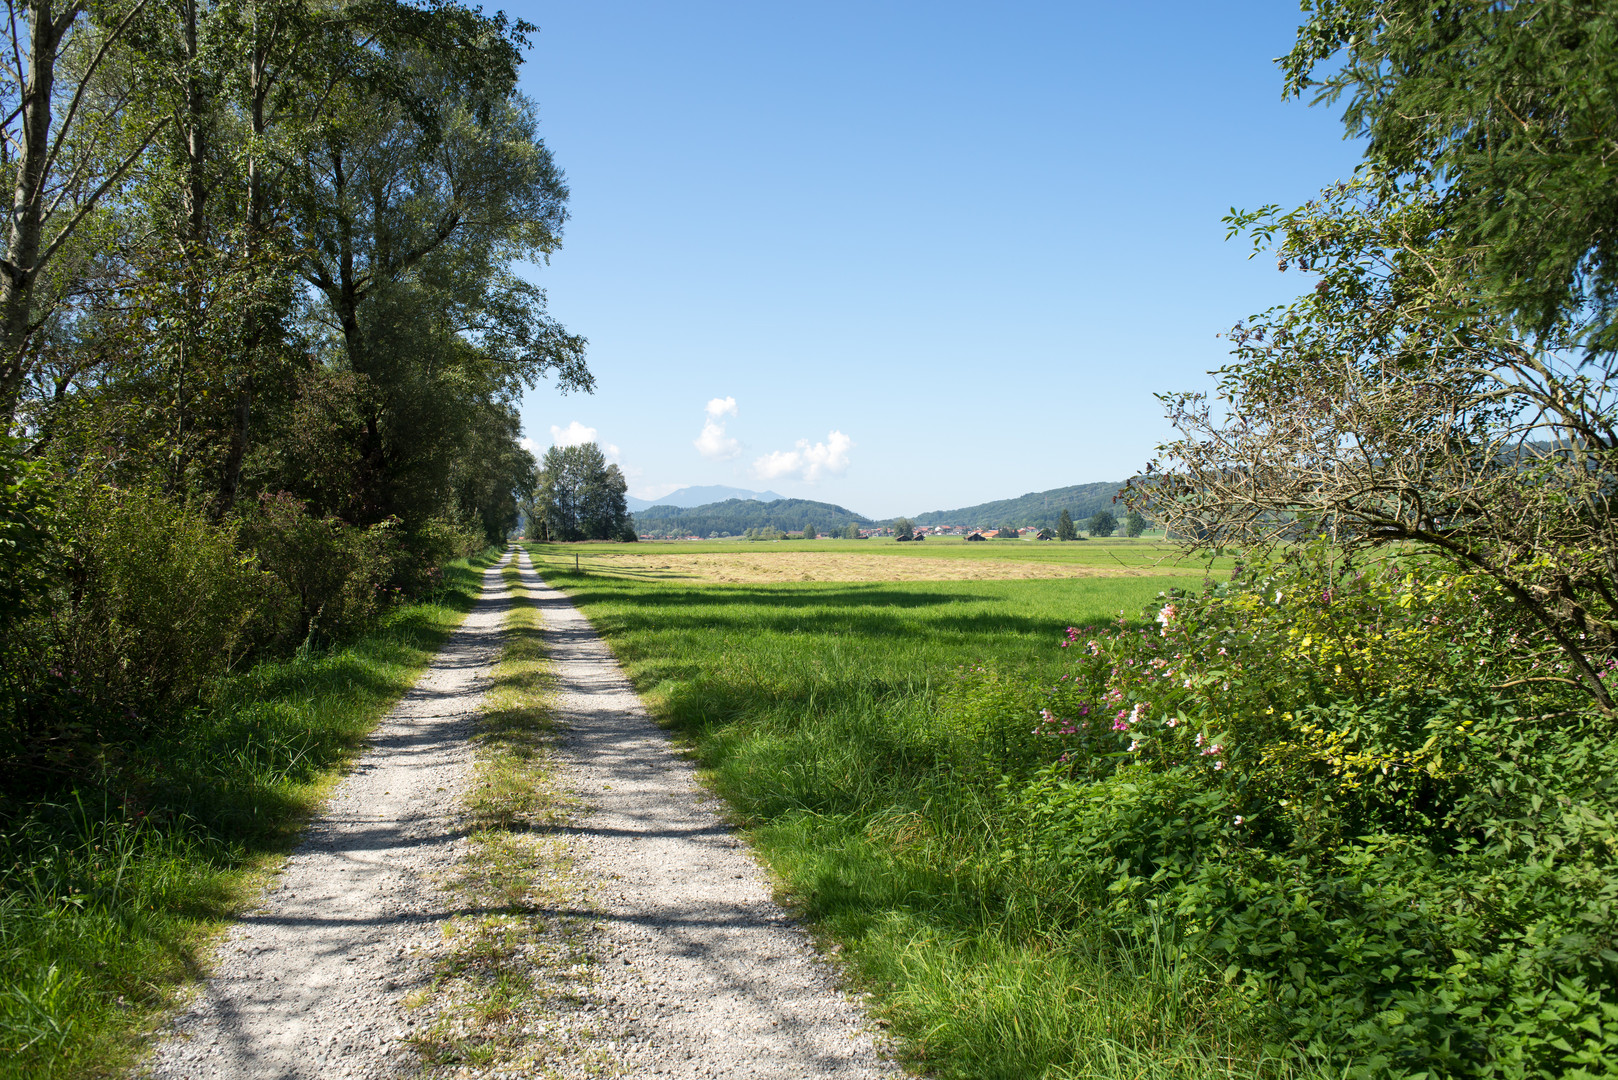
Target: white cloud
(713, 443)
(807, 462)
(528, 444)
(576, 434)
(656, 491)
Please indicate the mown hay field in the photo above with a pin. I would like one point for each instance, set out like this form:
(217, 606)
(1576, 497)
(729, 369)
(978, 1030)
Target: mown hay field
(942, 559)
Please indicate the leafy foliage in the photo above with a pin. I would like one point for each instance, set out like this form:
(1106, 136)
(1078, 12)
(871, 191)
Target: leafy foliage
(1316, 780)
(1505, 110)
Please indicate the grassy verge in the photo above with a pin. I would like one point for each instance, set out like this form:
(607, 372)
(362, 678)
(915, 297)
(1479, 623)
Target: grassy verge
(820, 712)
(525, 950)
(110, 895)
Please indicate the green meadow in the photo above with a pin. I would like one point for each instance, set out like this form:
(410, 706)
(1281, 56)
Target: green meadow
(823, 712)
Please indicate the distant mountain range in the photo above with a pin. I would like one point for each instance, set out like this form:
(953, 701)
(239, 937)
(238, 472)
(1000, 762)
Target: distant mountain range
(735, 516)
(694, 511)
(1037, 509)
(700, 495)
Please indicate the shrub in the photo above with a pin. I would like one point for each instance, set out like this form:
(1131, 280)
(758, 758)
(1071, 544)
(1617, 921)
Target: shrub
(1352, 801)
(339, 576)
(151, 603)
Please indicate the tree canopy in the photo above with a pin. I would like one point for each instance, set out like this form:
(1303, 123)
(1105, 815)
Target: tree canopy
(1448, 380)
(581, 495)
(1504, 112)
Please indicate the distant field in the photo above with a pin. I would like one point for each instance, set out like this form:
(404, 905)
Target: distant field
(943, 559)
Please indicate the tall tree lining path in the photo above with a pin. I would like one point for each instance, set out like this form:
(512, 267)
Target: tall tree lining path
(698, 972)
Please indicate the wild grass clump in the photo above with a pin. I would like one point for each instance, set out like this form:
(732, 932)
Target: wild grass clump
(526, 944)
(112, 882)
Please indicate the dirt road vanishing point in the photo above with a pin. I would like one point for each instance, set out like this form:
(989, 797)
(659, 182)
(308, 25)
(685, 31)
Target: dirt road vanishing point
(697, 972)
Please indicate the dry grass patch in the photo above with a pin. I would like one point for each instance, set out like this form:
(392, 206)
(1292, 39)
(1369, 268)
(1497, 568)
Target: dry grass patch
(786, 566)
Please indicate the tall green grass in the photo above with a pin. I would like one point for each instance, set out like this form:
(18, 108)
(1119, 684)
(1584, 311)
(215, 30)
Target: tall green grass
(818, 710)
(110, 891)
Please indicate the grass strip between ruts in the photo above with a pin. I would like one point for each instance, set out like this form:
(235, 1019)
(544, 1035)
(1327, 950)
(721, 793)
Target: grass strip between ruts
(510, 969)
(111, 896)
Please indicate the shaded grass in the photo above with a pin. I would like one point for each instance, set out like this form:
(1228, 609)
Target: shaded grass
(111, 893)
(493, 999)
(821, 713)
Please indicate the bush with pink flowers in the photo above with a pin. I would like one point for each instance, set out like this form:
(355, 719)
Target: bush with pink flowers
(1366, 794)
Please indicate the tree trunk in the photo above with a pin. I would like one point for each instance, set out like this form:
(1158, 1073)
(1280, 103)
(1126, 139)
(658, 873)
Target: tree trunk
(20, 271)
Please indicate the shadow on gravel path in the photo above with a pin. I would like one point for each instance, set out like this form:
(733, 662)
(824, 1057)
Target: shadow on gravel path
(309, 983)
(707, 976)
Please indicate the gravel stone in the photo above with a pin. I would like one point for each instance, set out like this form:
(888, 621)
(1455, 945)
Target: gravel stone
(697, 971)
(704, 973)
(309, 982)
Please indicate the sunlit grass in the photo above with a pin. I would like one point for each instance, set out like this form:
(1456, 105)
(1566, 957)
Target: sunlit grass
(816, 710)
(110, 895)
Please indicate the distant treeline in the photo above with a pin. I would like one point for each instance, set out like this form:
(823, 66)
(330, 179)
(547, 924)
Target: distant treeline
(1036, 510)
(733, 517)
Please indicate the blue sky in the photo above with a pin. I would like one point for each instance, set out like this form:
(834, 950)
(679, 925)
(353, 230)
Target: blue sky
(907, 257)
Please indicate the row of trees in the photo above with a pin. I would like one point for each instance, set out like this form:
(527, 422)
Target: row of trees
(259, 280)
(581, 496)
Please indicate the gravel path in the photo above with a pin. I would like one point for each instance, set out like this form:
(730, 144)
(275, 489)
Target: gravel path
(699, 972)
(704, 974)
(309, 983)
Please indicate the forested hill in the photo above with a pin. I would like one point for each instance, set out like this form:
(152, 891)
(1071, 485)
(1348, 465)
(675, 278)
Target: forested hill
(1037, 509)
(735, 516)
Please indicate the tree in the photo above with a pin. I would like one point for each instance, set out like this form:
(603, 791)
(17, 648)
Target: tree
(1007, 532)
(1065, 529)
(1503, 112)
(63, 161)
(581, 495)
(808, 532)
(1134, 523)
(1102, 523)
(851, 531)
(411, 207)
(1396, 403)
(904, 529)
